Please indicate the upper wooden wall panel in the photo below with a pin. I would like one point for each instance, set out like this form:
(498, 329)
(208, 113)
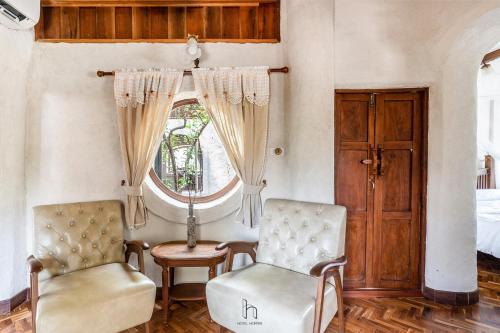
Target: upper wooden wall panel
(108, 21)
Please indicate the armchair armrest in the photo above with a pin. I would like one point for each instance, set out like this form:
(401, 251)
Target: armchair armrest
(322, 271)
(138, 247)
(35, 266)
(326, 267)
(235, 248)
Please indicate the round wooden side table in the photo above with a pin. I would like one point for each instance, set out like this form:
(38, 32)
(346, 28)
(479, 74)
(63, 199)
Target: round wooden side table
(176, 254)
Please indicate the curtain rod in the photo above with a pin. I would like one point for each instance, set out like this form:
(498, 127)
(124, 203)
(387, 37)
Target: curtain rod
(189, 72)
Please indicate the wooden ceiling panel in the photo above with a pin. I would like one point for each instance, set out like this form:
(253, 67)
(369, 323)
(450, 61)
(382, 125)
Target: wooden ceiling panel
(108, 21)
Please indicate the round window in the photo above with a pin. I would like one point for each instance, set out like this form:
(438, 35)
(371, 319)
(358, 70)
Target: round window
(191, 160)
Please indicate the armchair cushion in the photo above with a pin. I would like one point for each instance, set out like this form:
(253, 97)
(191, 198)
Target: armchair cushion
(284, 300)
(95, 300)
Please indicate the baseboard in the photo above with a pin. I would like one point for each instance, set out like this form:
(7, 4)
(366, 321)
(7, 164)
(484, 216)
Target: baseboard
(451, 297)
(10, 304)
(381, 293)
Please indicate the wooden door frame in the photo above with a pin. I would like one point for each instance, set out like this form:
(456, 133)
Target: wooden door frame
(423, 183)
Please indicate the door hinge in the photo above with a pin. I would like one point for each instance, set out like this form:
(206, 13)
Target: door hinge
(372, 100)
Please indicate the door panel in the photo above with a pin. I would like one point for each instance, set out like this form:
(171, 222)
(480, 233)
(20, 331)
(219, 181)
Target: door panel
(354, 125)
(395, 252)
(378, 177)
(397, 138)
(396, 165)
(354, 121)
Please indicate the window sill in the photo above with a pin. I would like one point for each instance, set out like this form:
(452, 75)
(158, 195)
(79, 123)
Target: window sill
(173, 211)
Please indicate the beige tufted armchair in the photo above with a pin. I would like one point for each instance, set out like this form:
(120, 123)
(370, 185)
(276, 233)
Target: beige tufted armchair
(294, 284)
(80, 279)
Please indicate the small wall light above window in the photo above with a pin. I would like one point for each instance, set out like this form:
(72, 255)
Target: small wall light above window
(193, 50)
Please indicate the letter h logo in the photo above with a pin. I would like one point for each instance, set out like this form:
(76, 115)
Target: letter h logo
(245, 307)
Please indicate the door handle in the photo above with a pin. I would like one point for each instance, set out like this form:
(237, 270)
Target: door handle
(367, 162)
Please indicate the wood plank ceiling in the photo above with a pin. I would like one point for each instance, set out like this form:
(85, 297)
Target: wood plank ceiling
(167, 21)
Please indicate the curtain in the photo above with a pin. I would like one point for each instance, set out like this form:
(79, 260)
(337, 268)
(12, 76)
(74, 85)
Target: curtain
(237, 100)
(144, 100)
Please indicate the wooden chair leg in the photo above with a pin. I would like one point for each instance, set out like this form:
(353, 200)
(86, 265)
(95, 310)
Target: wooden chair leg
(340, 300)
(147, 327)
(222, 329)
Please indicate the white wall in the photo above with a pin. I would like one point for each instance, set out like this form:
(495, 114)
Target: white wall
(15, 50)
(309, 39)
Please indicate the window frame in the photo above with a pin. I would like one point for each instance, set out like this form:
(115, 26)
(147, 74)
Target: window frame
(182, 198)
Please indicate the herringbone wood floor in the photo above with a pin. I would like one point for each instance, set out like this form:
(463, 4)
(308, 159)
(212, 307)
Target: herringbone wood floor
(363, 315)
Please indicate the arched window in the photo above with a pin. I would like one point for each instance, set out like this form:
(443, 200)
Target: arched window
(191, 159)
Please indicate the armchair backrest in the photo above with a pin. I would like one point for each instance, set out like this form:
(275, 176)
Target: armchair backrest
(297, 235)
(70, 237)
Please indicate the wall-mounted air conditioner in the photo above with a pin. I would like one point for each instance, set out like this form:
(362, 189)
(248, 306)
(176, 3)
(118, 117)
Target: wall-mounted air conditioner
(19, 14)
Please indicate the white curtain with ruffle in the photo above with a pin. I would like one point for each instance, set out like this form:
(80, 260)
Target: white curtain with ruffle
(237, 100)
(144, 99)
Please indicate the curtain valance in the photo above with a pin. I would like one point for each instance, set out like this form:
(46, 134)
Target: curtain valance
(232, 84)
(134, 86)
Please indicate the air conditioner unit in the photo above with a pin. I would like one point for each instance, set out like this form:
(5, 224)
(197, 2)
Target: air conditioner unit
(19, 14)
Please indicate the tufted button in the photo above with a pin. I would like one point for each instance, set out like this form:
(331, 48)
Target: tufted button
(113, 240)
(301, 251)
(49, 226)
(85, 260)
(285, 220)
(63, 266)
(297, 210)
(326, 227)
(305, 223)
(59, 213)
(92, 221)
(101, 209)
(280, 208)
(319, 211)
(61, 238)
(84, 235)
(103, 256)
(94, 246)
(80, 211)
(71, 223)
(312, 239)
(103, 232)
(293, 235)
(51, 253)
(283, 246)
(111, 219)
(73, 250)
(276, 232)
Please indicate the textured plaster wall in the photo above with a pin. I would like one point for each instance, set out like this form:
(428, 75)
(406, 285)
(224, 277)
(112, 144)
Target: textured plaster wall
(15, 51)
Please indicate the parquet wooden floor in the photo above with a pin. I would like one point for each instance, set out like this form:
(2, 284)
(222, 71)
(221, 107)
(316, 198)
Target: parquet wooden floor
(362, 315)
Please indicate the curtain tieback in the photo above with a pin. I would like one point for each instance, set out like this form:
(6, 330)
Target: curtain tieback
(252, 189)
(133, 191)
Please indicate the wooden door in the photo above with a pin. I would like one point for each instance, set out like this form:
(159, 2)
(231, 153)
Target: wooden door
(378, 177)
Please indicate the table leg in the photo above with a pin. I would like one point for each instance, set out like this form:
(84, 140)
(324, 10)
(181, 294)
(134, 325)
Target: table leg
(172, 276)
(211, 272)
(165, 296)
